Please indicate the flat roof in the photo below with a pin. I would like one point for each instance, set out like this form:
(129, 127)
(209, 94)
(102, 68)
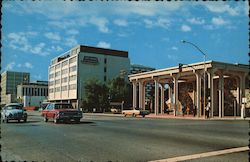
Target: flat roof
(103, 51)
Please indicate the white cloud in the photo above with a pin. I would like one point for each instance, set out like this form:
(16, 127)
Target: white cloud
(185, 28)
(20, 41)
(160, 22)
(101, 23)
(218, 21)
(197, 21)
(56, 48)
(174, 48)
(72, 32)
(71, 41)
(28, 65)
(39, 49)
(221, 7)
(53, 36)
(10, 65)
(103, 44)
(121, 22)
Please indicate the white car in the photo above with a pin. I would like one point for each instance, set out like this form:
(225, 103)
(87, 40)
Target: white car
(13, 111)
(135, 112)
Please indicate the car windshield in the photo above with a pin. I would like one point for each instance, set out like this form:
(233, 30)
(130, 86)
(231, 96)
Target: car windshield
(63, 106)
(12, 107)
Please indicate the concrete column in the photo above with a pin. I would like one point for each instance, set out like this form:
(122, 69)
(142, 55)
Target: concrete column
(194, 96)
(134, 94)
(162, 98)
(143, 95)
(198, 94)
(170, 94)
(156, 97)
(238, 95)
(211, 88)
(242, 93)
(221, 95)
(176, 104)
(140, 94)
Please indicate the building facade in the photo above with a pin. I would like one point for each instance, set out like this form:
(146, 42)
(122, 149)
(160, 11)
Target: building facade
(33, 93)
(9, 82)
(69, 72)
(226, 86)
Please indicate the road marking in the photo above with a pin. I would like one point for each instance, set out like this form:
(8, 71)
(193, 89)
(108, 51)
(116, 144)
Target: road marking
(202, 155)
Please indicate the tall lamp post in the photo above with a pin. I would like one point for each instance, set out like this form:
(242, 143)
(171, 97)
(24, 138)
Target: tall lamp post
(205, 70)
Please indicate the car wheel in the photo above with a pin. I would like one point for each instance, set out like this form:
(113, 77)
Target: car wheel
(45, 118)
(55, 120)
(77, 120)
(25, 120)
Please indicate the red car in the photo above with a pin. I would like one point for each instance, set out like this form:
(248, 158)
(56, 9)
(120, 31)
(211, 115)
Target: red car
(61, 112)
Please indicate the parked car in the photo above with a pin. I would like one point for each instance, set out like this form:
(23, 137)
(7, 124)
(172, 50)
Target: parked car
(14, 111)
(135, 112)
(61, 112)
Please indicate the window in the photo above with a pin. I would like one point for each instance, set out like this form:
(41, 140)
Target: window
(105, 69)
(57, 89)
(65, 71)
(72, 77)
(51, 83)
(105, 78)
(57, 81)
(57, 66)
(72, 69)
(64, 63)
(64, 88)
(105, 61)
(72, 60)
(65, 79)
(51, 90)
(51, 76)
(57, 74)
(72, 86)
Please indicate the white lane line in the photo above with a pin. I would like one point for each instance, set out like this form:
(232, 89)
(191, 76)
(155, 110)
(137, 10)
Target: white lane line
(202, 155)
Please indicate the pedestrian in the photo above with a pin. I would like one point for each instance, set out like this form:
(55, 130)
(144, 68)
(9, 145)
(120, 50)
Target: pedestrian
(194, 111)
(207, 111)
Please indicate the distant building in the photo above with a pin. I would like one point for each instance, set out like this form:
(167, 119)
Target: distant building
(9, 82)
(69, 72)
(33, 93)
(149, 87)
(135, 69)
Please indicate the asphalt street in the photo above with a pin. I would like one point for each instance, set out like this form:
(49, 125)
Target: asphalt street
(106, 138)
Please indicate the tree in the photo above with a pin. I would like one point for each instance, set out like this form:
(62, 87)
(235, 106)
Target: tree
(96, 96)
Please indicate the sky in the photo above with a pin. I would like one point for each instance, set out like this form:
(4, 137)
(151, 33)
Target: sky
(34, 32)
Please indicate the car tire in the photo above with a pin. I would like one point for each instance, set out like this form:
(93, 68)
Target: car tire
(45, 118)
(55, 120)
(25, 120)
(77, 120)
(7, 120)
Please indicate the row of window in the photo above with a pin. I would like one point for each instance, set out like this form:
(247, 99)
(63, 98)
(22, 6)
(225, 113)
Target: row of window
(64, 80)
(64, 71)
(63, 88)
(64, 63)
(34, 91)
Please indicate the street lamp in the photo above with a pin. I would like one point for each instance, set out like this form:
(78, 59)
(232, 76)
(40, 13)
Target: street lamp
(205, 70)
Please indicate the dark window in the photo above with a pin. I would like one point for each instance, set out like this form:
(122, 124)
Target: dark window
(105, 69)
(105, 78)
(105, 61)
(23, 94)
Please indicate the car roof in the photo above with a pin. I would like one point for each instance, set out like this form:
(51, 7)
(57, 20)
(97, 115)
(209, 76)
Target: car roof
(14, 104)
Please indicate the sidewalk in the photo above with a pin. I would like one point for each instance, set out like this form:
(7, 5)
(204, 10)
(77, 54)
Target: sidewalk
(167, 116)
(153, 116)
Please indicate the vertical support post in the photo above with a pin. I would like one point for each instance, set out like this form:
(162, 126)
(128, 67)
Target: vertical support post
(143, 95)
(134, 94)
(242, 90)
(176, 77)
(140, 94)
(198, 94)
(170, 94)
(221, 95)
(162, 98)
(211, 88)
(156, 97)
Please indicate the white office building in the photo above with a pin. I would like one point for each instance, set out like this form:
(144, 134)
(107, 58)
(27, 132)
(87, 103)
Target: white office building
(69, 72)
